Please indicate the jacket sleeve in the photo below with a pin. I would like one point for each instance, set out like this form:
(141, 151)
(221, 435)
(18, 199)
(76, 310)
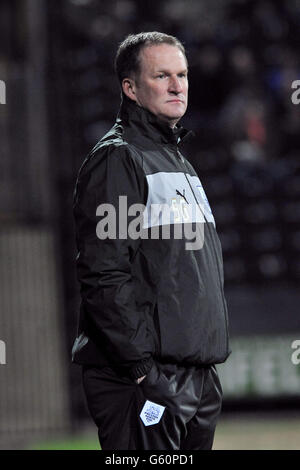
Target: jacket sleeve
(104, 266)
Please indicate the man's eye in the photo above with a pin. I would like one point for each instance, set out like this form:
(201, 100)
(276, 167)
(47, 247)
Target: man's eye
(161, 75)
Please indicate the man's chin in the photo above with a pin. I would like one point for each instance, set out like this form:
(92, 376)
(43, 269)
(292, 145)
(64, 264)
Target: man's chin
(171, 117)
(177, 113)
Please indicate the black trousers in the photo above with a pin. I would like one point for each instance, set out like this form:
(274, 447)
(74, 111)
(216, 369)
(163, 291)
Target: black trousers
(173, 408)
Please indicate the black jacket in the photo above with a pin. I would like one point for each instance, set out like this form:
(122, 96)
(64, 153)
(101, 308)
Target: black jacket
(146, 298)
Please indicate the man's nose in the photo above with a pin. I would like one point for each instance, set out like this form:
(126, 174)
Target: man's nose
(175, 85)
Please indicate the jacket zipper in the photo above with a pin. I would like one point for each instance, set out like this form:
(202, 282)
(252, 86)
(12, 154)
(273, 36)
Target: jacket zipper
(213, 244)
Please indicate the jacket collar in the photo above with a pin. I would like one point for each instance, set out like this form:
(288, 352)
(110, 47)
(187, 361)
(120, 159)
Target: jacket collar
(136, 119)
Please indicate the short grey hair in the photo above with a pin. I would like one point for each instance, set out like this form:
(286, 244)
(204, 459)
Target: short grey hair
(127, 60)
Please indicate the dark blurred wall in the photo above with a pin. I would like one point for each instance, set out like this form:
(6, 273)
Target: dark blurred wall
(34, 379)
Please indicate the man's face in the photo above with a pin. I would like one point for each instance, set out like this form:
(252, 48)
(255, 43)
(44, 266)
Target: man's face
(162, 86)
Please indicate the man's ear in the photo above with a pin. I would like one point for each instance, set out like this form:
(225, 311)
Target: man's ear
(128, 87)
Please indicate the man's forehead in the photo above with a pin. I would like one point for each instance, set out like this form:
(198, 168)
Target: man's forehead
(162, 57)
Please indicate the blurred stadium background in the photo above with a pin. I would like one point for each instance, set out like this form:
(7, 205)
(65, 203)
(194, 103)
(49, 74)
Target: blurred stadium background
(56, 59)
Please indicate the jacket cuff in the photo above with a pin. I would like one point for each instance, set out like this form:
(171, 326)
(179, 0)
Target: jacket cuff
(141, 368)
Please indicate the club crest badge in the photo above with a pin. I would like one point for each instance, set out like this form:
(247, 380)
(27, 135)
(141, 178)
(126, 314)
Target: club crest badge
(151, 413)
(204, 197)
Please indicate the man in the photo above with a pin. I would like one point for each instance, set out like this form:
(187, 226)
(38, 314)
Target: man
(153, 320)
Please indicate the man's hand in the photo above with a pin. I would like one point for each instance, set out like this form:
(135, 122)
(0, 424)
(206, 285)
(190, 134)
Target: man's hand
(139, 380)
